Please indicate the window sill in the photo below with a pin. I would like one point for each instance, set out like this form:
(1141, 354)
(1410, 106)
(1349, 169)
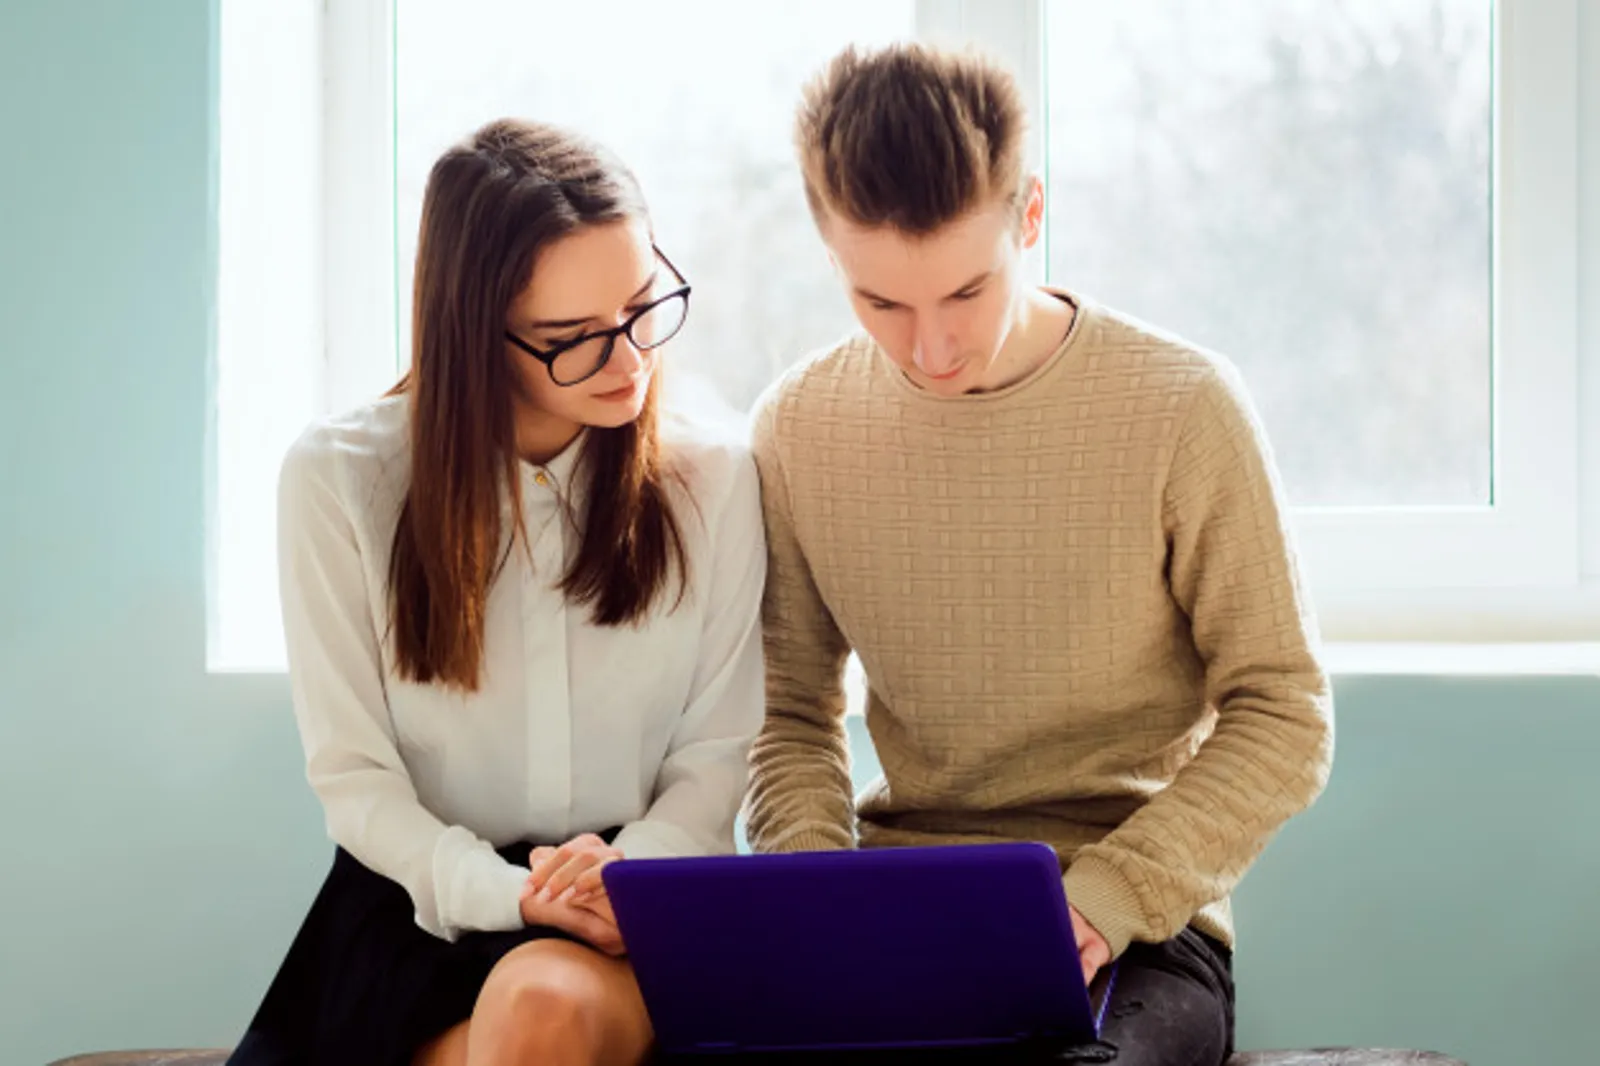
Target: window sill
(1339, 658)
(1342, 659)
(1423, 659)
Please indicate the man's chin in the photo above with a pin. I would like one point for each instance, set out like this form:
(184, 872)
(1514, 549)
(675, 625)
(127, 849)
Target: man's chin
(950, 385)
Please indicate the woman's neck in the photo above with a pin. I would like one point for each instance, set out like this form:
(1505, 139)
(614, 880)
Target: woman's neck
(540, 438)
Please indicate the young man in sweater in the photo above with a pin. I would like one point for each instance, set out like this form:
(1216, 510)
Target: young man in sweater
(1054, 537)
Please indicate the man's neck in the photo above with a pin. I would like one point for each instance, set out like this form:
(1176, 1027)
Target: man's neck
(1043, 321)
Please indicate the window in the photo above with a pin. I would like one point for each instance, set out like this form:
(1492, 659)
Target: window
(1316, 191)
(1305, 187)
(306, 254)
(1370, 206)
(702, 116)
(1336, 197)
(268, 382)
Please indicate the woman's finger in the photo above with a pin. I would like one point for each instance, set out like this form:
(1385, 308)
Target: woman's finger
(592, 882)
(545, 868)
(568, 873)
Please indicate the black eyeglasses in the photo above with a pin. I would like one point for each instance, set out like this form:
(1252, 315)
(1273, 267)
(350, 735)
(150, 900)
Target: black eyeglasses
(576, 361)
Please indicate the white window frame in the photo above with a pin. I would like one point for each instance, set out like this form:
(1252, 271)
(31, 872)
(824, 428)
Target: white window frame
(1513, 570)
(1526, 568)
(266, 378)
(362, 239)
(306, 287)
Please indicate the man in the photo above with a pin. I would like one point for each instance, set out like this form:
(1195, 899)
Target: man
(1055, 539)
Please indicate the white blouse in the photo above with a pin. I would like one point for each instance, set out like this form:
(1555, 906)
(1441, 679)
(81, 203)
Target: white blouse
(574, 727)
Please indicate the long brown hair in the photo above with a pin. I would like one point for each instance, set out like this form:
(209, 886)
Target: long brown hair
(491, 203)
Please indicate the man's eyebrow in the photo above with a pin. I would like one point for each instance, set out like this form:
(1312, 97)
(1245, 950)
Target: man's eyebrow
(867, 294)
(568, 323)
(974, 282)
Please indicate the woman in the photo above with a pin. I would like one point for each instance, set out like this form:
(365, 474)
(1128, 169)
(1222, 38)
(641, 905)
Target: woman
(522, 633)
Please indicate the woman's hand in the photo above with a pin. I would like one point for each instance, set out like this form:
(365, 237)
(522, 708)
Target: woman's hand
(574, 865)
(594, 927)
(565, 891)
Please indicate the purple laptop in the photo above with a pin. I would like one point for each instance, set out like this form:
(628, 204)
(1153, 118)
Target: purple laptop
(965, 946)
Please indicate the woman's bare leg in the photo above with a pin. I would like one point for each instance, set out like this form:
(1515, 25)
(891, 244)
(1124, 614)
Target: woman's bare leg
(555, 1003)
(448, 1049)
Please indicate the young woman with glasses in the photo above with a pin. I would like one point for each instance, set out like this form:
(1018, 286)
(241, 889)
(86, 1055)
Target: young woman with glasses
(522, 623)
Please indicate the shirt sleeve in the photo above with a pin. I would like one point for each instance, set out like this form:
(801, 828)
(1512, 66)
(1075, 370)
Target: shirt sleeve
(703, 777)
(456, 881)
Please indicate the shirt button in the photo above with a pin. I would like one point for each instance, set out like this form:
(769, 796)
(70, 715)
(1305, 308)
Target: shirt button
(541, 479)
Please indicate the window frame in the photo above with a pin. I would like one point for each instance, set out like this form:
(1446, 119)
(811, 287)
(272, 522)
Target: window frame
(1525, 568)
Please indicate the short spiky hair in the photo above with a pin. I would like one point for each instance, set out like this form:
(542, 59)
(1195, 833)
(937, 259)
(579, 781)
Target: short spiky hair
(909, 136)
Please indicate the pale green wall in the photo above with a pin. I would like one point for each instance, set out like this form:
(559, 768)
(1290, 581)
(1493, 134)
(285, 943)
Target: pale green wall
(160, 844)
(1445, 891)
(157, 839)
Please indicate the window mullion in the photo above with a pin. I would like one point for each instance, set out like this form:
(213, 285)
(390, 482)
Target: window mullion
(1013, 30)
(359, 201)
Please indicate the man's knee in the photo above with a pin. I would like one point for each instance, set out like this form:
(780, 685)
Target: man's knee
(1172, 1005)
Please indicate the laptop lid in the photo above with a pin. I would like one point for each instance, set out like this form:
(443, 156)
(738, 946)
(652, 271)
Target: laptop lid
(952, 946)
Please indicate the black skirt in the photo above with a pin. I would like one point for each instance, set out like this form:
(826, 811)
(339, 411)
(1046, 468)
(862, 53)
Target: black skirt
(363, 983)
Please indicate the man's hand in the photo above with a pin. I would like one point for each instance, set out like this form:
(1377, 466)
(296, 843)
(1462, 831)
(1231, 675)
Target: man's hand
(1093, 951)
(587, 923)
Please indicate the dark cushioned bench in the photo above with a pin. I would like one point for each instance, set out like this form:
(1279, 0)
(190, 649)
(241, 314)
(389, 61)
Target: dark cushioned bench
(1318, 1057)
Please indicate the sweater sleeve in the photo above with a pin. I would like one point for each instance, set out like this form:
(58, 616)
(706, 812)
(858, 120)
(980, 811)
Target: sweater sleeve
(1232, 571)
(800, 784)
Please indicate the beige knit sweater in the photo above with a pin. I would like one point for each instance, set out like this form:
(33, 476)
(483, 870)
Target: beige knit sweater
(1077, 608)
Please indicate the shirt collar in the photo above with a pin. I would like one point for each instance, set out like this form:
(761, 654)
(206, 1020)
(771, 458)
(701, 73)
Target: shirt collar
(558, 473)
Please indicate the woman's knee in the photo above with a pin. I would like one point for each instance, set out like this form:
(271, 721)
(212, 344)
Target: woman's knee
(559, 1016)
(547, 996)
(447, 1049)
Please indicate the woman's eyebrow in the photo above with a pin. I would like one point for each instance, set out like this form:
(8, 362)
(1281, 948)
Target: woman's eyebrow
(568, 323)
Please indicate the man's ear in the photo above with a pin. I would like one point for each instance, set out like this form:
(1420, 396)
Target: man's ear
(1032, 211)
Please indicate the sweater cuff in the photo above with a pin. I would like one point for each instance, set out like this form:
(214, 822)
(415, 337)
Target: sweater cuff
(1106, 899)
(811, 838)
